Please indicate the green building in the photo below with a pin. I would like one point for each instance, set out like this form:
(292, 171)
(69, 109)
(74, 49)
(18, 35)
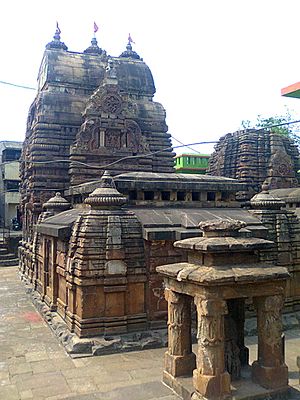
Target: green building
(191, 163)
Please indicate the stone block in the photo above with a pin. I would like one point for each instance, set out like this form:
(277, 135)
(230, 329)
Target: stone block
(81, 346)
(106, 346)
(115, 267)
(270, 377)
(180, 365)
(211, 387)
(151, 342)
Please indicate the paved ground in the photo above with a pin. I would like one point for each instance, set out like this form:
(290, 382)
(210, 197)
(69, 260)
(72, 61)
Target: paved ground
(34, 366)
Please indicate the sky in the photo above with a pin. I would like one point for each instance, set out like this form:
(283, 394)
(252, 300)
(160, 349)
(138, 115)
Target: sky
(214, 62)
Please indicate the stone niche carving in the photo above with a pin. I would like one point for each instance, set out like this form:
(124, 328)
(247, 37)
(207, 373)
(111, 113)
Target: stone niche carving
(87, 136)
(281, 164)
(113, 138)
(135, 141)
(111, 104)
(92, 136)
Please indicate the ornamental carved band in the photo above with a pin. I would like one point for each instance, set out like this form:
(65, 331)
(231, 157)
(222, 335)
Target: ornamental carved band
(211, 313)
(111, 104)
(270, 323)
(176, 305)
(179, 307)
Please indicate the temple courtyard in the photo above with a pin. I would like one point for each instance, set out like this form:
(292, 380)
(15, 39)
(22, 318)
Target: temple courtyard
(33, 365)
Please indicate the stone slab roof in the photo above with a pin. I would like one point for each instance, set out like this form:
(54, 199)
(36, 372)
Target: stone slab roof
(165, 181)
(207, 275)
(157, 223)
(223, 244)
(59, 225)
(190, 217)
(288, 194)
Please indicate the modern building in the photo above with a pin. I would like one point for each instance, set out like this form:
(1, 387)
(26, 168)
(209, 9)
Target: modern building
(10, 153)
(191, 163)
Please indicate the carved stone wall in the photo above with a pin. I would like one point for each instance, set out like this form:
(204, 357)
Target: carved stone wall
(256, 157)
(122, 121)
(158, 253)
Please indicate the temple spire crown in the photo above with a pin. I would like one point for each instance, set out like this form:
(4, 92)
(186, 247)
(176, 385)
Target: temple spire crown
(106, 196)
(56, 43)
(129, 53)
(94, 48)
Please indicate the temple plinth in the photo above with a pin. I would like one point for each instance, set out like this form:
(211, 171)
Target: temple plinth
(224, 269)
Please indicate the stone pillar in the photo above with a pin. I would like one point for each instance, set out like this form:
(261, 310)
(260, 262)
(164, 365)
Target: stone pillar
(269, 370)
(211, 380)
(179, 358)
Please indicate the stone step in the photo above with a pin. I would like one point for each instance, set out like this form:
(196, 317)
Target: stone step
(3, 250)
(7, 256)
(9, 263)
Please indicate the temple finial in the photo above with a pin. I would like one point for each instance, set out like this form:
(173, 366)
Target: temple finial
(106, 195)
(129, 53)
(57, 32)
(94, 48)
(56, 43)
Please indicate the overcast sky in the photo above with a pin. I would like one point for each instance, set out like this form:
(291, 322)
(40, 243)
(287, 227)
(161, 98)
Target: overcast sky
(214, 62)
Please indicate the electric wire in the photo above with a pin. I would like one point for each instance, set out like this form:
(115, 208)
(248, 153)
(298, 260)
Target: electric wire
(119, 160)
(16, 85)
(148, 154)
(191, 148)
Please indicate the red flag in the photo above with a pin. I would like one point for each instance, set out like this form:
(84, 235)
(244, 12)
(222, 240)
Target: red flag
(130, 39)
(95, 27)
(57, 28)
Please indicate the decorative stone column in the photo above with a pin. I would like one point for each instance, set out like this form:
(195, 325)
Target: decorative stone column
(179, 358)
(269, 371)
(210, 379)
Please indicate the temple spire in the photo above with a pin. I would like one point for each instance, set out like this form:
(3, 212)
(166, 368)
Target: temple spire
(106, 195)
(56, 43)
(94, 48)
(129, 53)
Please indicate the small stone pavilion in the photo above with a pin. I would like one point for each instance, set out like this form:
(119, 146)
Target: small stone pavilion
(223, 270)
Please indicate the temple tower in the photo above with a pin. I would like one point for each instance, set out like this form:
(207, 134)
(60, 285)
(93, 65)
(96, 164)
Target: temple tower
(121, 121)
(89, 112)
(255, 157)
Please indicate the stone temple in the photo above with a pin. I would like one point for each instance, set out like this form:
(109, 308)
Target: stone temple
(256, 157)
(92, 239)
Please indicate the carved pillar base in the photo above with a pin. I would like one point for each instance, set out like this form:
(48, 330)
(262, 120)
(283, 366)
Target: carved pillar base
(270, 370)
(180, 365)
(270, 377)
(211, 387)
